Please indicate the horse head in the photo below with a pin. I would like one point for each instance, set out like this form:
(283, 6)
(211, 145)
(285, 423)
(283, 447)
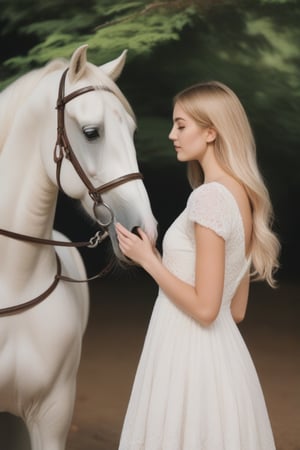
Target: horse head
(95, 152)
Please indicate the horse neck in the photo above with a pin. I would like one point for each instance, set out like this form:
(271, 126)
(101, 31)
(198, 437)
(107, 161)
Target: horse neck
(27, 205)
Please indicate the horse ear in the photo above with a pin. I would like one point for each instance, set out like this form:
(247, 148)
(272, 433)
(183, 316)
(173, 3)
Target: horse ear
(114, 68)
(77, 63)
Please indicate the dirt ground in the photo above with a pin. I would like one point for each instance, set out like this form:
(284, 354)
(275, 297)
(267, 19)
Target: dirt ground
(120, 311)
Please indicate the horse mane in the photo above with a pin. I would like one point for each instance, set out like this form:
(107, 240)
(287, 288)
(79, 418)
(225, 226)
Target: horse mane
(13, 96)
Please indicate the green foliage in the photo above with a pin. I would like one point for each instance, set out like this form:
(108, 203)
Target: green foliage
(255, 53)
(57, 30)
(266, 2)
(251, 45)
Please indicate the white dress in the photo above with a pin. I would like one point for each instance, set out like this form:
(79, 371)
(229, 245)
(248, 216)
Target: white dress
(196, 387)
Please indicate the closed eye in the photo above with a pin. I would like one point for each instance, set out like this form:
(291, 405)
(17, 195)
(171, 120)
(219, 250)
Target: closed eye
(90, 133)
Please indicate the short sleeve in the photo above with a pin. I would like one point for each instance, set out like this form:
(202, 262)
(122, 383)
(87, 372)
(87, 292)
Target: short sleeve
(209, 206)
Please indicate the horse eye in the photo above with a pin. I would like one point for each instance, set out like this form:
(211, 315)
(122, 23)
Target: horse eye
(90, 133)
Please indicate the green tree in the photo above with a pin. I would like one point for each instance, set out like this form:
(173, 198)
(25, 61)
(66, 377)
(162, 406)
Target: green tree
(54, 28)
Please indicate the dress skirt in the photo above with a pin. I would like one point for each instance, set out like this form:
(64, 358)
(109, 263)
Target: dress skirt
(196, 388)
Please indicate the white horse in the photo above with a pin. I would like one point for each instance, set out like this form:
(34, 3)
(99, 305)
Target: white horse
(40, 346)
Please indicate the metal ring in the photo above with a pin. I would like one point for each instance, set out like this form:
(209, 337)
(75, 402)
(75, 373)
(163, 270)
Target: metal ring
(104, 223)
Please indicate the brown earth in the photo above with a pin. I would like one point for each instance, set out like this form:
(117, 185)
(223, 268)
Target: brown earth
(120, 311)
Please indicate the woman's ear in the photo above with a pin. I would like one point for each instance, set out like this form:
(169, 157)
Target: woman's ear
(211, 135)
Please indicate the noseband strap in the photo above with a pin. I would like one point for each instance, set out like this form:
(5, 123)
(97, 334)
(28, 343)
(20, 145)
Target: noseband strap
(63, 147)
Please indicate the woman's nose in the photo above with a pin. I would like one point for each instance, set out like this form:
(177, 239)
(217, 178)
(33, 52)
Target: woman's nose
(171, 134)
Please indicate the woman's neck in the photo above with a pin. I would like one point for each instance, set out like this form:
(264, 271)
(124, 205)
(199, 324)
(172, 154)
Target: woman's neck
(211, 168)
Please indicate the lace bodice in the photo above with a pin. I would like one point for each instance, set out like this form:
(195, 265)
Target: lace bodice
(213, 206)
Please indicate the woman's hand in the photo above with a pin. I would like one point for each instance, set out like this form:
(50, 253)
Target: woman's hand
(137, 248)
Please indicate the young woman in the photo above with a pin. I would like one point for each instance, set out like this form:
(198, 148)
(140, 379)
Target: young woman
(196, 387)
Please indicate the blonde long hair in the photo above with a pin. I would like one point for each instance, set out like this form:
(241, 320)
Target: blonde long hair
(213, 104)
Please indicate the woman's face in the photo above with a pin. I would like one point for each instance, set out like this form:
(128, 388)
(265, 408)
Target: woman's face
(190, 140)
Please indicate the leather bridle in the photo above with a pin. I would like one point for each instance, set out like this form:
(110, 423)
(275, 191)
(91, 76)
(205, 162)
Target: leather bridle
(63, 149)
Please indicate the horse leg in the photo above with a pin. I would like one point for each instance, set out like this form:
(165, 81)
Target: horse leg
(49, 423)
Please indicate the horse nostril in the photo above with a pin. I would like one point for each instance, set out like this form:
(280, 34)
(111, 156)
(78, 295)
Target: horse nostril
(135, 231)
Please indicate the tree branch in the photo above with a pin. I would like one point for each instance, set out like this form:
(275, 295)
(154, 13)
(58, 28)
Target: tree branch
(177, 4)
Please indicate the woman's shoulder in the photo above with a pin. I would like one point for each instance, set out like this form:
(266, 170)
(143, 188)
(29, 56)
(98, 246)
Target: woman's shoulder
(213, 192)
(226, 190)
(212, 206)
(225, 203)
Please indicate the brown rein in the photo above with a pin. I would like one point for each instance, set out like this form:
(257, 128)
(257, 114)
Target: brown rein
(93, 242)
(38, 299)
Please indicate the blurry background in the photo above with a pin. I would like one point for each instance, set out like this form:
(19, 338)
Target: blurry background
(251, 45)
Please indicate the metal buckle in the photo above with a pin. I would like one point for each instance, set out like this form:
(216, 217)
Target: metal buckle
(97, 239)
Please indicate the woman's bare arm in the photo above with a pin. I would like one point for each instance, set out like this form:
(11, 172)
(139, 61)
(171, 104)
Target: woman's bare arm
(201, 301)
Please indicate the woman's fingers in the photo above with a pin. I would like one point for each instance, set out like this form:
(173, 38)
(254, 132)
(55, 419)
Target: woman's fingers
(137, 247)
(131, 245)
(125, 237)
(122, 230)
(142, 233)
